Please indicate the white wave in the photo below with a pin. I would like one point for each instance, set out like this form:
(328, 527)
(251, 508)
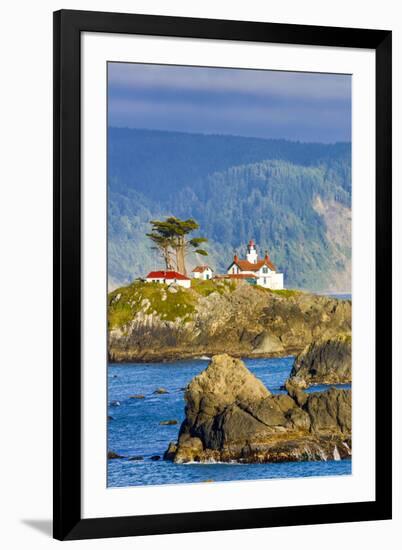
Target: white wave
(337, 456)
(323, 455)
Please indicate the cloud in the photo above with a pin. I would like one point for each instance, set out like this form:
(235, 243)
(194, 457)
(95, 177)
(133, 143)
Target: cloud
(298, 106)
(219, 80)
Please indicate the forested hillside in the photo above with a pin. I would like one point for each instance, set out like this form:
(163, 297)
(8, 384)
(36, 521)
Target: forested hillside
(292, 198)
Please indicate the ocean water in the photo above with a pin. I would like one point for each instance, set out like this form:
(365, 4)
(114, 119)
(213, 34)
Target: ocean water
(134, 429)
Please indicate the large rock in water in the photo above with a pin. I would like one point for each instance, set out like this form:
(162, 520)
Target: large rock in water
(231, 415)
(326, 361)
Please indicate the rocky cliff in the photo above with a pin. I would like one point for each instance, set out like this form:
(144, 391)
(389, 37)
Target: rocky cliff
(231, 415)
(153, 322)
(325, 361)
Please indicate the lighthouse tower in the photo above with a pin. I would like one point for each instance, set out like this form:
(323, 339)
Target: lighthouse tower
(252, 255)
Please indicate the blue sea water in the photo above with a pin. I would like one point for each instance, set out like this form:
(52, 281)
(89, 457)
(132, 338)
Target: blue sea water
(134, 428)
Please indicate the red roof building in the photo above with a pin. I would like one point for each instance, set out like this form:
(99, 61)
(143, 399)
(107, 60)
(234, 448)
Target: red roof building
(201, 268)
(264, 271)
(248, 266)
(202, 272)
(168, 278)
(169, 275)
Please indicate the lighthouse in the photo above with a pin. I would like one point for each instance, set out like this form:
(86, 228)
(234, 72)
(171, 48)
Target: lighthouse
(254, 271)
(252, 255)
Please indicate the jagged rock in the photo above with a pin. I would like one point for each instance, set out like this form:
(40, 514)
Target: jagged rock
(155, 458)
(171, 451)
(267, 343)
(136, 457)
(189, 449)
(231, 415)
(327, 361)
(160, 391)
(295, 392)
(224, 381)
(112, 455)
(330, 412)
(137, 396)
(168, 423)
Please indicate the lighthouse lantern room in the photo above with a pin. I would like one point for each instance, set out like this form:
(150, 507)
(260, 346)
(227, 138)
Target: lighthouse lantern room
(252, 255)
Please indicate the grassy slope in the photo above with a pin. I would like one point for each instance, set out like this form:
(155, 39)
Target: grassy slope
(125, 302)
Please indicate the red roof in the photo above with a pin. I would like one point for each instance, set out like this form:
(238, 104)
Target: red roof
(167, 275)
(201, 268)
(244, 265)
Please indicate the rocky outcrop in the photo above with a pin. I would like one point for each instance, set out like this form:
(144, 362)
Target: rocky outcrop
(267, 343)
(326, 361)
(148, 323)
(231, 415)
(112, 455)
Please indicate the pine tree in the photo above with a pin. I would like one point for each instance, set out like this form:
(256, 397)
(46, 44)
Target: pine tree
(171, 235)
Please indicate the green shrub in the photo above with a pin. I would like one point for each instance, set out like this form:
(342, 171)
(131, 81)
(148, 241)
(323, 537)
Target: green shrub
(124, 303)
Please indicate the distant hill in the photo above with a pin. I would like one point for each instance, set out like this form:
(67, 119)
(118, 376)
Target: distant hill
(293, 198)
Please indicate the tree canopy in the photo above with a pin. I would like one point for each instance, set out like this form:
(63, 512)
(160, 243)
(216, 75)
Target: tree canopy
(170, 238)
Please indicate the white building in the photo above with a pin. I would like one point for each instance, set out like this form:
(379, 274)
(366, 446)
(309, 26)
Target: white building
(168, 278)
(203, 272)
(260, 272)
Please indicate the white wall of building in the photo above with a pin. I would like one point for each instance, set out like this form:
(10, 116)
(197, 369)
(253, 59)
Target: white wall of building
(273, 281)
(204, 275)
(185, 283)
(252, 255)
(270, 279)
(235, 269)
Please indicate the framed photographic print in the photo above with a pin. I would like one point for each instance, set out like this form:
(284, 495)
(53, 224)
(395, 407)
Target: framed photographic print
(222, 274)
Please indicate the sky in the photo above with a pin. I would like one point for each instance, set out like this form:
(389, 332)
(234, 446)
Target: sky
(310, 107)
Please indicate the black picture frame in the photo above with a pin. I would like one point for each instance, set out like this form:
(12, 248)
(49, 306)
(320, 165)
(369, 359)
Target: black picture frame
(68, 27)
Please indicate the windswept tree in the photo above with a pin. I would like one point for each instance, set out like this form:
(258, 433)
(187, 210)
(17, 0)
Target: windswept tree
(172, 235)
(162, 244)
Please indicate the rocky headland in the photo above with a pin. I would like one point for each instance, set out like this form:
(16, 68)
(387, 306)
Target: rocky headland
(153, 322)
(231, 416)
